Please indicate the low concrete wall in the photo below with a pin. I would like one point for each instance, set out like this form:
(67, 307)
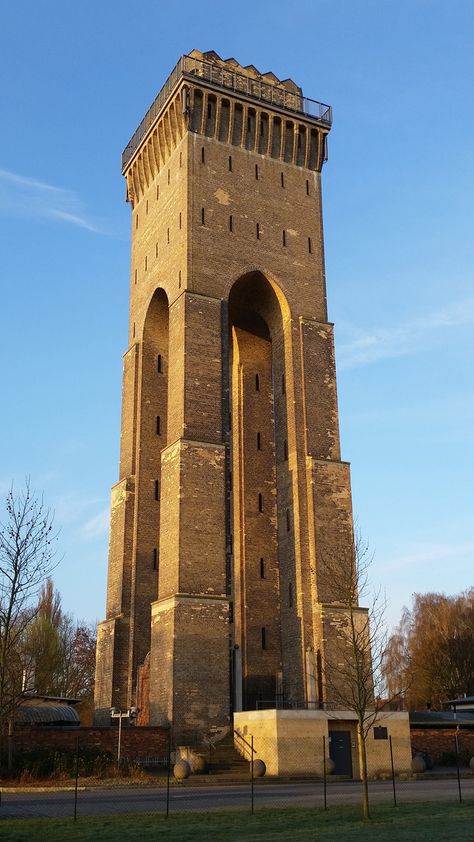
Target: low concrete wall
(290, 742)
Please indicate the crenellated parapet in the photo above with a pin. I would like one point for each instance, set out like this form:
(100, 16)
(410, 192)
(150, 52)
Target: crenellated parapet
(231, 104)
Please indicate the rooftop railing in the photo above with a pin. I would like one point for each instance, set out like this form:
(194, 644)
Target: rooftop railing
(229, 80)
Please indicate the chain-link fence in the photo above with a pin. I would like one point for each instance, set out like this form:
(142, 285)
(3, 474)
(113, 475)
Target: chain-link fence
(229, 775)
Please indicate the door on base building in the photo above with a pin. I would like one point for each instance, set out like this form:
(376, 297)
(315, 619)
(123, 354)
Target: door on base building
(340, 752)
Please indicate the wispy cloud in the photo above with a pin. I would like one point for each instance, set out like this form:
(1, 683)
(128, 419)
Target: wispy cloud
(24, 196)
(96, 526)
(422, 554)
(70, 509)
(409, 337)
(5, 486)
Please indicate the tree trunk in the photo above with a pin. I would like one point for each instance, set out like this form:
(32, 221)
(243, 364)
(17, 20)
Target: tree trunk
(363, 770)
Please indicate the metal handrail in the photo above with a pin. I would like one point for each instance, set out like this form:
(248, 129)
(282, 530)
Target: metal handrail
(229, 80)
(249, 745)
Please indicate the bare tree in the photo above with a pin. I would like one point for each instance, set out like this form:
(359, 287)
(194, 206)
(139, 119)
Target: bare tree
(352, 664)
(432, 649)
(27, 555)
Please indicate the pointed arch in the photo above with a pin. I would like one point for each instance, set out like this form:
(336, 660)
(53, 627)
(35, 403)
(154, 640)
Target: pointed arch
(260, 347)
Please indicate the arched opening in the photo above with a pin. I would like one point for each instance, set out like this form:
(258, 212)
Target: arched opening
(261, 491)
(152, 439)
(153, 435)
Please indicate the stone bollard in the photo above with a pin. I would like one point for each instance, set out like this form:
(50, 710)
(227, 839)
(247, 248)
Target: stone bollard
(181, 770)
(259, 768)
(330, 766)
(418, 764)
(199, 764)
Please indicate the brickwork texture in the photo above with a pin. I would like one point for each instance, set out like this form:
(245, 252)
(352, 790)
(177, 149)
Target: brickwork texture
(231, 482)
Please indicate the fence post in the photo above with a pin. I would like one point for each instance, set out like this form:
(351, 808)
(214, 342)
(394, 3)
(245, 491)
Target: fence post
(393, 774)
(168, 775)
(324, 774)
(456, 749)
(251, 773)
(76, 778)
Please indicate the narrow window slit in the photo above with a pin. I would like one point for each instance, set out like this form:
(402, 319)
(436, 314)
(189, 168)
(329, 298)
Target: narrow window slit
(169, 176)
(257, 382)
(231, 224)
(310, 247)
(282, 177)
(157, 489)
(262, 568)
(202, 216)
(203, 152)
(230, 163)
(260, 502)
(258, 231)
(285, 450)
(284, 238)
(159, 364)
(259, 441)
(264, 637)
(256, 171)
(307, 187)
(158, 425)
(155, 558)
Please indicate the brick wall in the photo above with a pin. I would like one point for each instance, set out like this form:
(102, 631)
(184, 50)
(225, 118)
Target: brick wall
(437, 741)
(135, 741)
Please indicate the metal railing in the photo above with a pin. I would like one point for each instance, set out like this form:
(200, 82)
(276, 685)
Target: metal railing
(301, 704)
(246, 745)
(281, 704)
(226, 79)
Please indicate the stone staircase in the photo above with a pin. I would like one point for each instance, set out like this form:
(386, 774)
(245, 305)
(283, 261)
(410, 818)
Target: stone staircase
(226, 762)
(225, 765)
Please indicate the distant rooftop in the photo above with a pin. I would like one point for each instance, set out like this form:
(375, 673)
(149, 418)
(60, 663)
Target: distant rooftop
(227, 74)
(440, 718)
(463, 701)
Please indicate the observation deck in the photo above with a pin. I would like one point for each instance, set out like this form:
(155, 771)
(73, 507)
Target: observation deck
(229, 76)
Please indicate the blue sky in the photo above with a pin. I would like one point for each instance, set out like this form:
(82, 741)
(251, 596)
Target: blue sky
(398, 187)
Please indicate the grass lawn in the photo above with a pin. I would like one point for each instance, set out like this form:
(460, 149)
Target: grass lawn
(408, 823)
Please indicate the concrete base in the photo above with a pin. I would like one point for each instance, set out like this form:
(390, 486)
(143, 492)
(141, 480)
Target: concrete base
(290, 742)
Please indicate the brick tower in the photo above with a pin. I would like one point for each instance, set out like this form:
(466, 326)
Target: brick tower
(232, 497)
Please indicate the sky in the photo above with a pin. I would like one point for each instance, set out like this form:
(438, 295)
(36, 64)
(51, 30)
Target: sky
(397, 199)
